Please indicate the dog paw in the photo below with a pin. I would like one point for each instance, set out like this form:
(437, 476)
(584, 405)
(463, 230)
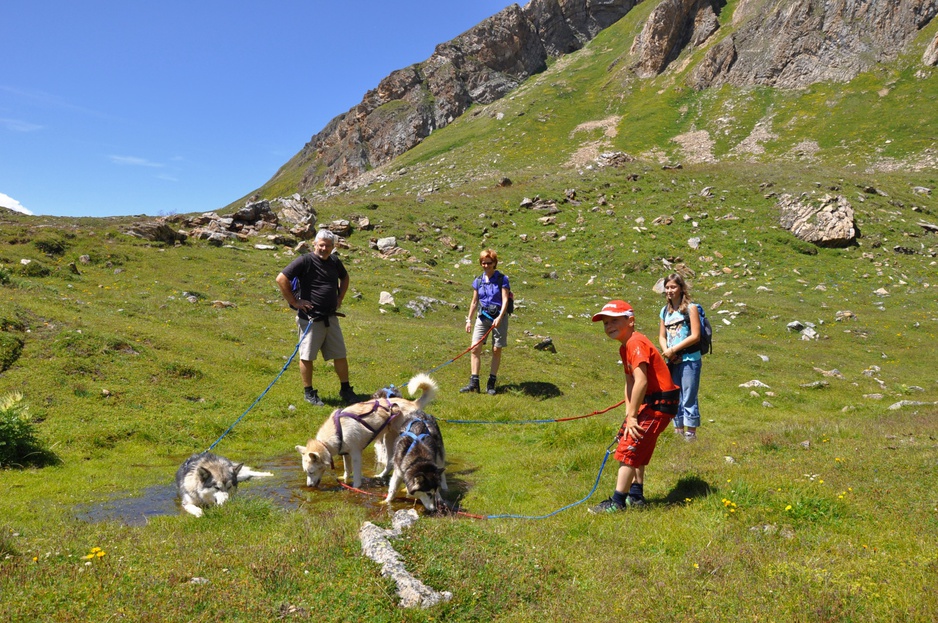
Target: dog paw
(192, 509)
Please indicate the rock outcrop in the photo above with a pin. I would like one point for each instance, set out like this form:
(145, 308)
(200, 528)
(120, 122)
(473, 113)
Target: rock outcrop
(256, 218)
(828, 224)
(794, 44)
(930, 57)
(673, 25)
(479, 66)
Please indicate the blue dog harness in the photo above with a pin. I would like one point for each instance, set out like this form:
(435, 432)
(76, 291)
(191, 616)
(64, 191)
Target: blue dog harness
(414, 438)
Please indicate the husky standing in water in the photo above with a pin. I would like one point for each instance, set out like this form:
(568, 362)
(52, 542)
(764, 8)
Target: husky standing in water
(419, 460)
(206, 479)
(347, 432)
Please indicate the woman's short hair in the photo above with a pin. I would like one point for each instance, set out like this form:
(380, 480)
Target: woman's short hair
(489, 254)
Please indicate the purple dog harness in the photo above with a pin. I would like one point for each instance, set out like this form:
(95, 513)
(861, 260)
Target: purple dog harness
(393, 409)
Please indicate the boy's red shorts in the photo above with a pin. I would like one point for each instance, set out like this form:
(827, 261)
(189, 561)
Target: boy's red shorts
(637, 452)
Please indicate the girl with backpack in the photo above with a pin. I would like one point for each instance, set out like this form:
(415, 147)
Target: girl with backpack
(490, 297)
(679, 333)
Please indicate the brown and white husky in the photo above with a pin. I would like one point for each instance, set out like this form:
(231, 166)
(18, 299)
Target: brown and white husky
(347, 432)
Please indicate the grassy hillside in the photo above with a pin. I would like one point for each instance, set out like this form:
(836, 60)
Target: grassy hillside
(791, 528)
(807, 500)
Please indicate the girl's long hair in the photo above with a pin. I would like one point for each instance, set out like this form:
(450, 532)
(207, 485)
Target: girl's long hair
(685, 293)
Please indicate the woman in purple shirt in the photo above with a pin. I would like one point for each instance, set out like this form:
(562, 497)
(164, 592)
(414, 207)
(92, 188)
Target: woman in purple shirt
(490, 300)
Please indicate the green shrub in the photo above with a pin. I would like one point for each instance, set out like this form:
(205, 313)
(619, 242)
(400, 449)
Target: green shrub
(51, 246)
(11, 346)
(35, 269)
(19, 445)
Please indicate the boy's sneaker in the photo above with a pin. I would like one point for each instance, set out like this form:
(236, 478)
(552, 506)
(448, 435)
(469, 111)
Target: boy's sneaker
(690, 436)
(606, 506)
(636, 503)
(348, 395)
(312, 397)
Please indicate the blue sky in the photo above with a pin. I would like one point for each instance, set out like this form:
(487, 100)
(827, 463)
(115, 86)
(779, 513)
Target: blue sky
(122, 107)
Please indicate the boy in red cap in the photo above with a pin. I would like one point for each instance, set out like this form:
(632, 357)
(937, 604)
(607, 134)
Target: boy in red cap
(651, 401)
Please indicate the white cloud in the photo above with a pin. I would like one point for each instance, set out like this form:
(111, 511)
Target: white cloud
(134, 161)
(9, 202)
(18, 125)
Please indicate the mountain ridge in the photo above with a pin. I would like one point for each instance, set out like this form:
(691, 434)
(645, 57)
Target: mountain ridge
(701, 44)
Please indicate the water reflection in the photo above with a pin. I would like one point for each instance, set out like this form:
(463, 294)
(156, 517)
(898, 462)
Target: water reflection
(286, 489)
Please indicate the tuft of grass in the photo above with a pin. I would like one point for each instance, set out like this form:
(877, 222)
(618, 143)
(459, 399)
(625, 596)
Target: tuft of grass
(19, 444)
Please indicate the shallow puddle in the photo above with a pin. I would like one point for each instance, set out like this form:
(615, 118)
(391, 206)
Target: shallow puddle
(286, 489)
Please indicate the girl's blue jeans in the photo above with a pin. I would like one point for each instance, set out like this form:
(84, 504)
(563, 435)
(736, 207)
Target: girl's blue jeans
(687, 375)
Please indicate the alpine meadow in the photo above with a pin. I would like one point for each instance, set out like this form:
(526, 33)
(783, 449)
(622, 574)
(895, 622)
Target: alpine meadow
(126, 346)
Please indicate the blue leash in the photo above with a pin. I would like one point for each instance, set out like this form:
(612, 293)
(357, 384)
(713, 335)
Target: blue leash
(560, 510)
(264, 393)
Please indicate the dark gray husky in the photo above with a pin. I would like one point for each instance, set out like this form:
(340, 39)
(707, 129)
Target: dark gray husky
(206, 479)
(419, 460)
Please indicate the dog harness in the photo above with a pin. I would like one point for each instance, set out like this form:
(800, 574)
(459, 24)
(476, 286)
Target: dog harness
(393, 409)
(414, 438)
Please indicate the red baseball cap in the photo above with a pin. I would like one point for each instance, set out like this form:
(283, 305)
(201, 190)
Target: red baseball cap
(614, 308)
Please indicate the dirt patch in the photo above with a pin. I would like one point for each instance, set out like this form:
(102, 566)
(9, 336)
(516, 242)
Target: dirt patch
(805, 150)
(696, 146)
(761, 133)
(588, 152)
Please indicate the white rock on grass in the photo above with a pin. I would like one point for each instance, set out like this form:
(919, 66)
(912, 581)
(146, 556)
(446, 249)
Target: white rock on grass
(375, 545)
(910, 403)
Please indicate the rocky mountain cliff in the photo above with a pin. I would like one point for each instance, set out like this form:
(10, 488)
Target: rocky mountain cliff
(777, 43)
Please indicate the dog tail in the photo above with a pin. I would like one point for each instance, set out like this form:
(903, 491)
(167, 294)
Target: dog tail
(246, 473)
(426, 385)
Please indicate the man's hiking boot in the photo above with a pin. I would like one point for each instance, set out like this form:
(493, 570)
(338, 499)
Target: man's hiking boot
(312, 397)
(473, 385)
(348, 395)
(606, 506)
(490, 388)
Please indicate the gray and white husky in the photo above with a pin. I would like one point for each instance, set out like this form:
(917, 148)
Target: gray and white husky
(206, 479)
(419, 460)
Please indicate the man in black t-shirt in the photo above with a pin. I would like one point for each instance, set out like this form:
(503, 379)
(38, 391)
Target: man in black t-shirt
(323, 282)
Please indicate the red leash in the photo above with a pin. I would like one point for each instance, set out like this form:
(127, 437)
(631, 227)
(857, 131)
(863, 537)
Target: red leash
(580, 417)
(482, 339)
(363, 492)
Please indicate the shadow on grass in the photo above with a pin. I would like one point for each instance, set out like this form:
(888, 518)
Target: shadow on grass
(690, 487)
(533, 389)
(35, 456)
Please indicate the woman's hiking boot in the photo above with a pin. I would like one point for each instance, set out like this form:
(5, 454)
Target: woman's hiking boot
(473, 385)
